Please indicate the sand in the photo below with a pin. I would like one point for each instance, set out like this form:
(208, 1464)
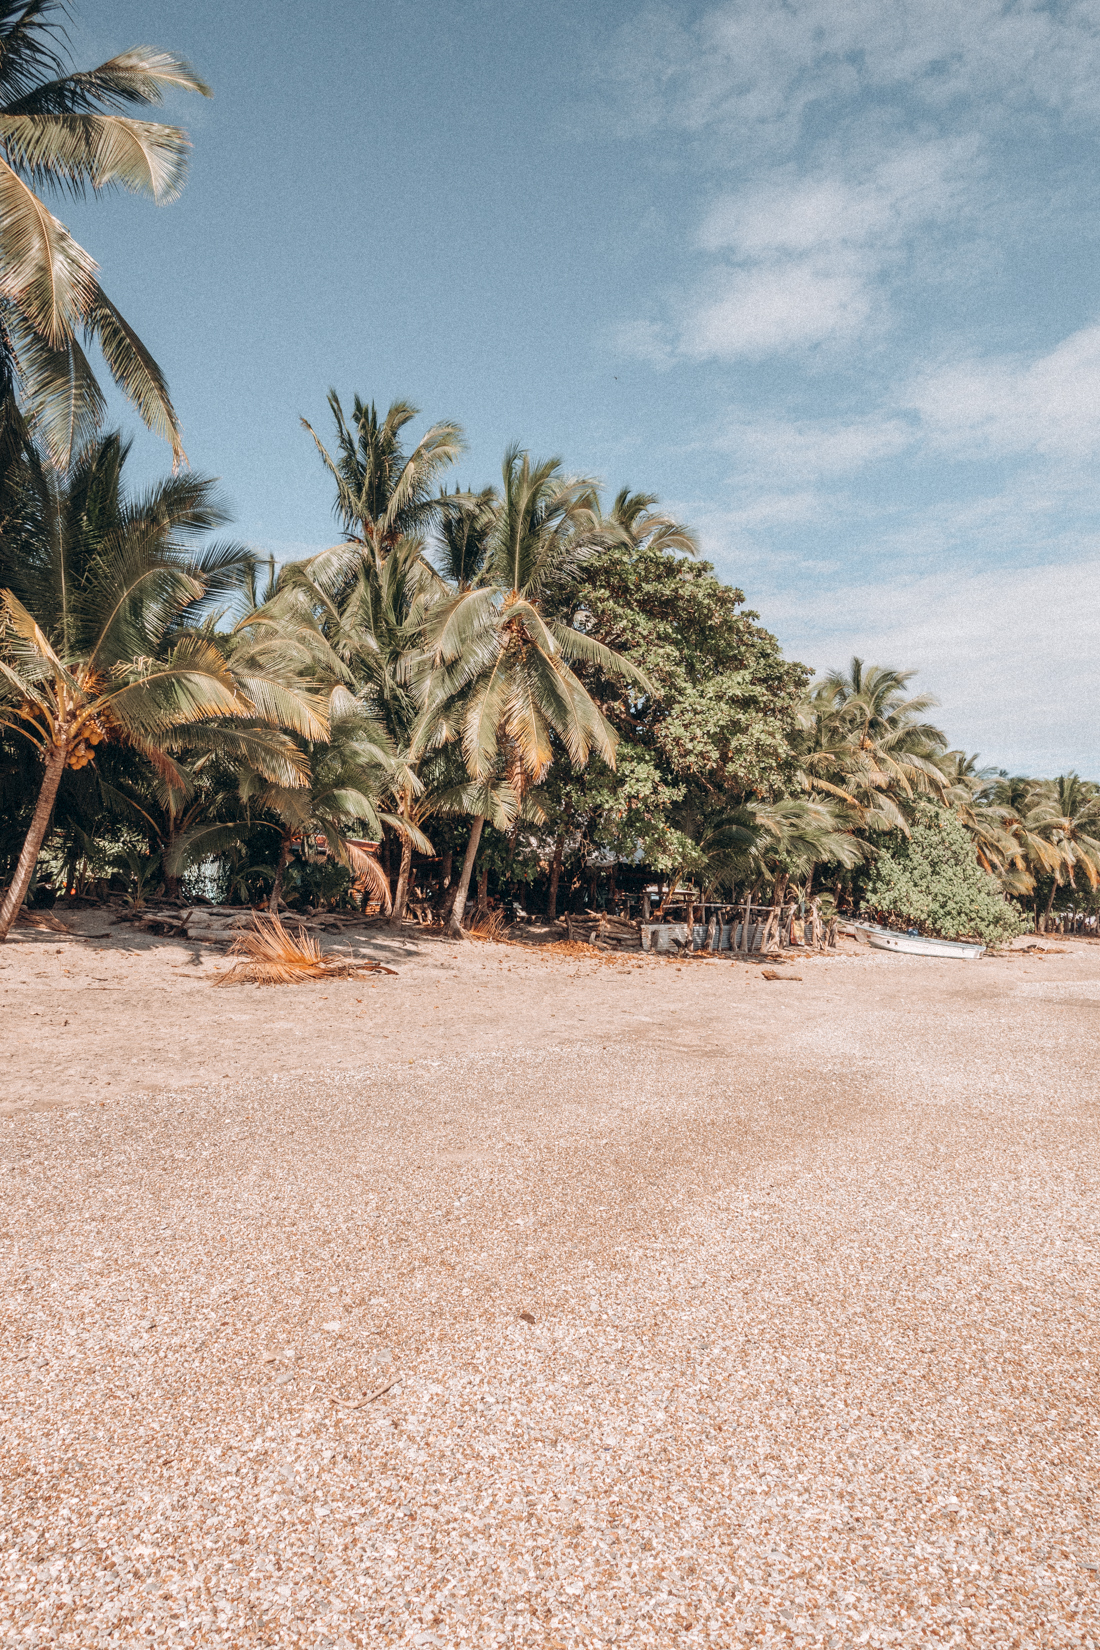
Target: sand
(528, 1300)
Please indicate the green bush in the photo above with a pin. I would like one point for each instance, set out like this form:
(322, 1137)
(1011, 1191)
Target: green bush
(932, 881)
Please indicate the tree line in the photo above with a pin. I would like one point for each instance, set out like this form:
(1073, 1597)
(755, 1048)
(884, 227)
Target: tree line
(518, 687)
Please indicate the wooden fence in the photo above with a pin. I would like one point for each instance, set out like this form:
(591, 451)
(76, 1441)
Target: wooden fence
(742, 929)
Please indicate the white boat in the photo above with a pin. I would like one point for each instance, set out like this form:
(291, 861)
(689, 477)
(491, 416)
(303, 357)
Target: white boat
(888, 939)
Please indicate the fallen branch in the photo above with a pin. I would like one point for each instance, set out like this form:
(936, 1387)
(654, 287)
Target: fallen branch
(346, 1403)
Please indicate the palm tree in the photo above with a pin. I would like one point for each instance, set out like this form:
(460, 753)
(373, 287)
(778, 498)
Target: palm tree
(647, 529)
(62, 130)
(383, 494)
(501, 650)
(1065, 814)
(347, 774)
(865, 743)
(970, 794)
(371, 627)
(462, 532)
(101, 635)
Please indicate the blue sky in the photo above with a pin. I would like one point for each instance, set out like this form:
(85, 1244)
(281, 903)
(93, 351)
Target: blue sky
(822, 275)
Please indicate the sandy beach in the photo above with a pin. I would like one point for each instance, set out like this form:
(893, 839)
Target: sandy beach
(529, 1299)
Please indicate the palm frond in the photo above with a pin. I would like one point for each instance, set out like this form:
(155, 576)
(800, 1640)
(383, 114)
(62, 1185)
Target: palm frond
(134, 370)
(271, 955)
(43, 271)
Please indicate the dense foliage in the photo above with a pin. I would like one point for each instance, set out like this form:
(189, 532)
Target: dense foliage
(932, 881)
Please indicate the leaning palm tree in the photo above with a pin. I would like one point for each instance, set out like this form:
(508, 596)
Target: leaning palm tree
(64, 130)
(101, 634)
(501, 651)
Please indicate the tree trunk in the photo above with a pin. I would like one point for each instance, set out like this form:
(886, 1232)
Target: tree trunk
(555, 878)
(280, 868)
(446, 870)
(171, 880)
(56, 757)
(458, 909)
(401, 894)
(1050, 902)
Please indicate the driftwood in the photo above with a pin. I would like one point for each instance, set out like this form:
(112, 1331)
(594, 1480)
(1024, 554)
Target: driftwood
(601, 929)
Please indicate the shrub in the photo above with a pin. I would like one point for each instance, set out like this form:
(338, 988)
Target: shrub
(932, 881)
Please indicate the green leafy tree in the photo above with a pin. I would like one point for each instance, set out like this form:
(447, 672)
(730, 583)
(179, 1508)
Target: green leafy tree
(931, 880)
(717, 725)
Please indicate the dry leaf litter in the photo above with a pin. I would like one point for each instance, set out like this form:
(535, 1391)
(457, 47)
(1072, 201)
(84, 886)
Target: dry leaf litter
(812, 1358)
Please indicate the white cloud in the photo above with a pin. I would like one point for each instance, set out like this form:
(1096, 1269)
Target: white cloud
(825, 212)
(1010, 652)
(800, 449)
(1049, 406)
(776, 308)
(758, 66)
(643, 341)
(809, 252)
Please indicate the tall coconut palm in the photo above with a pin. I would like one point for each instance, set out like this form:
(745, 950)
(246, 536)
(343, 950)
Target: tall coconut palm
(503, 648)
(372, 625)
(383, 494)
(101, 636)
(63, 129)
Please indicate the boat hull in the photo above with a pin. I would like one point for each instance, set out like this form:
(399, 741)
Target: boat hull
(918, 946)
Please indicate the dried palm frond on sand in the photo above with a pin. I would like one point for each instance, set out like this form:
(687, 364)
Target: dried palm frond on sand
(488, 925)
(274, 956)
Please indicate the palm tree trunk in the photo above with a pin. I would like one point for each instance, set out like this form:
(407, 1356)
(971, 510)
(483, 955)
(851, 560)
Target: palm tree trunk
(171, 880)
(458, 909)
(56, 757)
(1050, 902)
(280, 868)
(397, 914)
(555, 878)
